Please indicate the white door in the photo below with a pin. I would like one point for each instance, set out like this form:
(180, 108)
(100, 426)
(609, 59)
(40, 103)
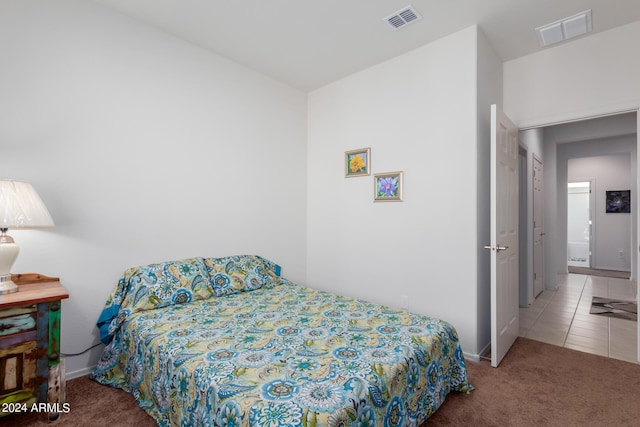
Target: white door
(538, 228)
(504, 235)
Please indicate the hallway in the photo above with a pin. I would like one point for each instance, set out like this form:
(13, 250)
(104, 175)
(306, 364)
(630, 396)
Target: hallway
(562, 318)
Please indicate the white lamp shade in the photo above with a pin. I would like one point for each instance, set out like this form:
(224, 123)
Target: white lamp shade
(21, 207)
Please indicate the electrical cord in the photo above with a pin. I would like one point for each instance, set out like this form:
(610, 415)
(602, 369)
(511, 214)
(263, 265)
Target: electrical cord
(82, 352)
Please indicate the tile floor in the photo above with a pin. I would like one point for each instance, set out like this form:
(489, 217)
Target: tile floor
(561, 317)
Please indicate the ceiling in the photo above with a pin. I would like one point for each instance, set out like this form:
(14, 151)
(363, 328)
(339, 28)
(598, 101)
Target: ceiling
(307, 44)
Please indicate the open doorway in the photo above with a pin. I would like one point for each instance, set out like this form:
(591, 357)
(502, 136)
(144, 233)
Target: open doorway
(599, 237)
(600, 140)
(586, 143)
(579, 224)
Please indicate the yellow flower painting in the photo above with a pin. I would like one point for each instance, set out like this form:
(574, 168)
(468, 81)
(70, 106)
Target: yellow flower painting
(357, 162)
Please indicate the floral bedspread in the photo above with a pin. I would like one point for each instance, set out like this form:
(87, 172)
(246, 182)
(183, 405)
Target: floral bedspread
(284, 356)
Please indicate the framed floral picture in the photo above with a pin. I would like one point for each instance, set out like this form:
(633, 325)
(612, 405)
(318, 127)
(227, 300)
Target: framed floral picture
(387, 187)
(356, 162)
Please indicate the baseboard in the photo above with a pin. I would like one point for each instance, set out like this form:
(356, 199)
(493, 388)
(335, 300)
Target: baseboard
(621, 270)
(483, 355)
(471, 357)
(79, 373)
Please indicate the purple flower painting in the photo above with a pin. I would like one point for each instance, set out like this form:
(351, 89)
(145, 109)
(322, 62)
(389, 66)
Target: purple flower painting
(388, 186)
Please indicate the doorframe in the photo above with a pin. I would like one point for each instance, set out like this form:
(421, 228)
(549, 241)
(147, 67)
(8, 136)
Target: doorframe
(536, 158)
(525, 296)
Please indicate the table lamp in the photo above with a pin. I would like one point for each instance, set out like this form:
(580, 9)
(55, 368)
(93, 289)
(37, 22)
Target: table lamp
(20, 207)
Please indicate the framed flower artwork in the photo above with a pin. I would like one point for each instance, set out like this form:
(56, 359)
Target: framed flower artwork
(356, 162)
(387, 187)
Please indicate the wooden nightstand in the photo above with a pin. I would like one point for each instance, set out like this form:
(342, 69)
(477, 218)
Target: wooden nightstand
(30, 344)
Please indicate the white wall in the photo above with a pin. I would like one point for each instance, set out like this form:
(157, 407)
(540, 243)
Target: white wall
(144, 148)
(611, 231)
(417, 112)
(587, 77)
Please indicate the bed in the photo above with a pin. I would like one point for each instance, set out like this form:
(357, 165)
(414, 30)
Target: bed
(229, 342)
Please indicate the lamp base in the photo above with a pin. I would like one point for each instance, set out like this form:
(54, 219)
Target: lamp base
(6, 285)
(8, 254)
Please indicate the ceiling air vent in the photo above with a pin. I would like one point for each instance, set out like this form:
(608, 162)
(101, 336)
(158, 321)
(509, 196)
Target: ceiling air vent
(565, 29)
(403, 17)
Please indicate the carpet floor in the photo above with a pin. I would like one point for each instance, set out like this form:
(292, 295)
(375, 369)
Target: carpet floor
(537, 384)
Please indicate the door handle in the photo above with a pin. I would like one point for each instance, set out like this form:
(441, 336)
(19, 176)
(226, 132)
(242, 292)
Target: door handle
(497, 249)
